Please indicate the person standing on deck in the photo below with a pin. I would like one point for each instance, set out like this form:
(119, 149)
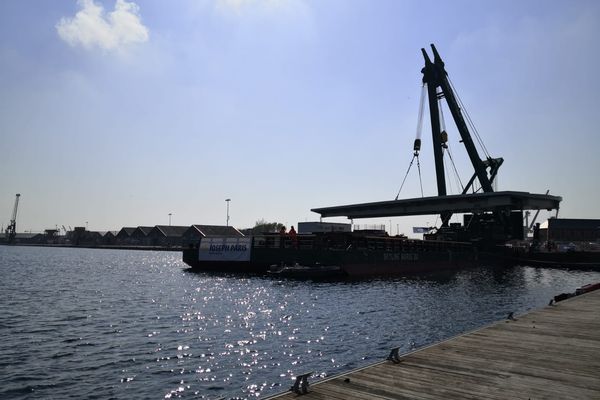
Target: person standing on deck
(282, 235)
(293, 237)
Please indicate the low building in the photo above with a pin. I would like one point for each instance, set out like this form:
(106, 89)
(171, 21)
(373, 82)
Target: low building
(196, 232)
(80, 236)
(321, 227)
(139, 237)
(109, 237)
(123, 237)
(167, 235)
(24, 238)
(570, 230)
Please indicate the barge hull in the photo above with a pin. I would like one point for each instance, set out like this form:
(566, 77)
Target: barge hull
(380, 257)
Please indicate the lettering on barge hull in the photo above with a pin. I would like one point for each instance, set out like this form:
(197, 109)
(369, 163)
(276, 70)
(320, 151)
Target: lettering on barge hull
(400, 257)
(225, 249)
(218, 248)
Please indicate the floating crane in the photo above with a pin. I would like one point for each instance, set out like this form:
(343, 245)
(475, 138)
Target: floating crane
(490, 217)
(11, 229)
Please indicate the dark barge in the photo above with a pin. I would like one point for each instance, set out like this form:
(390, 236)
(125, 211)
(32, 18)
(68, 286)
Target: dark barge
(355, 254)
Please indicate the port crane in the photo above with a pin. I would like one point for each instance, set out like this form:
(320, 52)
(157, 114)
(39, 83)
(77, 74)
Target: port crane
(11, 229)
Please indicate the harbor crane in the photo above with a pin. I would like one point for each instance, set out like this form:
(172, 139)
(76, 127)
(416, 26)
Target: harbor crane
(11, 229)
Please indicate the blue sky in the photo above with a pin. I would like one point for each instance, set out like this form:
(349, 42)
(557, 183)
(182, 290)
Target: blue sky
(129, 111)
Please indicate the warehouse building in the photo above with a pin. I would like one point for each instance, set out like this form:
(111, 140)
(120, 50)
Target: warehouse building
(167, 235)
(570, 230)
(196, 232)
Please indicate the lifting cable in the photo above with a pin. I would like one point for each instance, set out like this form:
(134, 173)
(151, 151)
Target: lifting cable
(421, 109)
(469, 120)
(417, 144)
(446, 146)
(447, 177)
(420, 180)
(457, 176)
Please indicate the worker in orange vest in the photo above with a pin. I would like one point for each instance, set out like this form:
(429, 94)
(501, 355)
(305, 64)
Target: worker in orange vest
(293, 236)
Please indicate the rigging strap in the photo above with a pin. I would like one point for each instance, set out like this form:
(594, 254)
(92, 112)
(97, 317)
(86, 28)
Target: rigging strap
(416, 155)
(420, 180)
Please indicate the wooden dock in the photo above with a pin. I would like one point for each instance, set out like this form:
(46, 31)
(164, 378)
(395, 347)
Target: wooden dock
(552, 353)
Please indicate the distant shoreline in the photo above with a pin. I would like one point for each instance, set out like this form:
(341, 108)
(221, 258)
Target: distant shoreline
(105, 247)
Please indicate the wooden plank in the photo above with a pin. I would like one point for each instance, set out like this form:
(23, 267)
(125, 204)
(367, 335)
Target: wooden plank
(416, 381)
(349, 390)
(552, 353)
(557, 371)
(511, 369)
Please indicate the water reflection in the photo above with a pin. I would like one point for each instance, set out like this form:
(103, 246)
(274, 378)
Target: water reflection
(126, 324)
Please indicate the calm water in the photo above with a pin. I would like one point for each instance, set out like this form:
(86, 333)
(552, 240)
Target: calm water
(82, 323)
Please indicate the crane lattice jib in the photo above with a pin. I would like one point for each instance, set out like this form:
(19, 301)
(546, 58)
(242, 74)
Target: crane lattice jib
(14, 214)
(11, 230)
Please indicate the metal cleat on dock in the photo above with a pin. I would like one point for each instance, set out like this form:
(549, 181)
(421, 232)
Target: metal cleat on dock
(395, 355)
(301, 384)
(511, 316)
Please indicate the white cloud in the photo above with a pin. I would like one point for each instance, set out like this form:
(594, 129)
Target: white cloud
(92, 27)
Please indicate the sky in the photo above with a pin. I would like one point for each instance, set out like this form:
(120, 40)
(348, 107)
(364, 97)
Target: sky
(119, 113)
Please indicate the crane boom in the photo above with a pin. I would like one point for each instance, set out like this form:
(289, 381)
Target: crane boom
(465, 135)
(11, 229)
(435, 76)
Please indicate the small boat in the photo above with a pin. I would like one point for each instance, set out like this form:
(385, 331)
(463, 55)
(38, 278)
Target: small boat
(317, 271)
